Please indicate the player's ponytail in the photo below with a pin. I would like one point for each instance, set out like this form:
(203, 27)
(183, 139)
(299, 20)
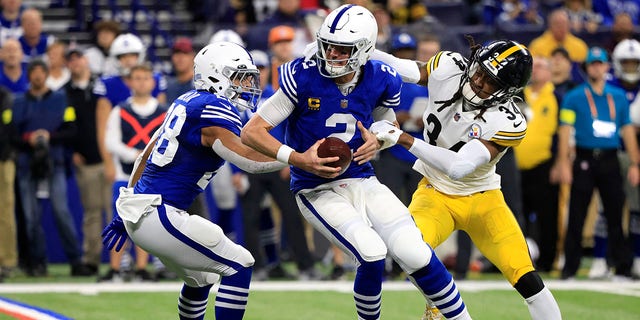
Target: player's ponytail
(446, 103)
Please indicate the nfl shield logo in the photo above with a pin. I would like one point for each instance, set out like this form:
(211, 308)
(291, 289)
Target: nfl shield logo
(344, 103)
(456, 117)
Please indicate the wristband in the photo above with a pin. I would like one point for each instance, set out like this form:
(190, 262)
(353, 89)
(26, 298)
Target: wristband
(284, 153)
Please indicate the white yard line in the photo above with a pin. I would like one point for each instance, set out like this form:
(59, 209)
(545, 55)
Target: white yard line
(621, 288)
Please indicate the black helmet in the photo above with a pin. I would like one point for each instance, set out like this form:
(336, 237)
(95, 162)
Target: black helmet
(507, 62)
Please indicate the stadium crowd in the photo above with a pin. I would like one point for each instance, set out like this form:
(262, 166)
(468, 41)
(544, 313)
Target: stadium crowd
(58, 102)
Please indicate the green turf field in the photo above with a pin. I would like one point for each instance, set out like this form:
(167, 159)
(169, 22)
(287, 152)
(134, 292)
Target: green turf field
(80, 298)
(265, 305)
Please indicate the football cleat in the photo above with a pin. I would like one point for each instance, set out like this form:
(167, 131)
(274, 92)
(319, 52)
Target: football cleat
(635, 270)
(599, 269)
(431, 312)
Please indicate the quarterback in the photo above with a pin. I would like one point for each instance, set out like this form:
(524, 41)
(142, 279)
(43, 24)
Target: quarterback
(470, 121)
(339, 92)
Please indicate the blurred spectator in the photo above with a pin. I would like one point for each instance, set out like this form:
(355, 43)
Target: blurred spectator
(34, 42)
(561, 73)
(95, 192)
(622, 28)
(558, 34)
(581, 17)
(535, 158)
(10, 26)
(281, 49)
(45, 127)
(598, 130)
(100, 62)
(287, 13)
(182, 55)
(129, 129)
(626, 76)
(59, 75)
(385, 29)
(264, 8)
(227, 35)
(608, 9)
(403, 12)
(129, 52)
(428, 46)
(8, 236)
(239, 14)
(13, 75)
(511, 12)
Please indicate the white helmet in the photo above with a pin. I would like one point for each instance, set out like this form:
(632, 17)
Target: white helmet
(226, 35)
(348, 26)
(227, 69)
(628, 49)
(126, 43)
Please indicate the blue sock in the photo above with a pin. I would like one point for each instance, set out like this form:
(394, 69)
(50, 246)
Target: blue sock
(367, 289)
(436, 283)
(233, 294)
(193, 302)
(268, 237)
(600, 237)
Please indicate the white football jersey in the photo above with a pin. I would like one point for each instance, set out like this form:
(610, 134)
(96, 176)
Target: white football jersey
(451, 127)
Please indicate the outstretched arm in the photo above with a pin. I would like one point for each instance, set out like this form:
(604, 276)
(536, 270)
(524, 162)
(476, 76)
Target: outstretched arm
(455, 164)
(410, 70)
(229, 147)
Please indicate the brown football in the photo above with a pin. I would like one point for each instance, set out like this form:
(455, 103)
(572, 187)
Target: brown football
(335, 147)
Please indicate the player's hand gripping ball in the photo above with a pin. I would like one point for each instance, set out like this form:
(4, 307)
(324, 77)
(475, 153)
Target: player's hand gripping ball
(335, 147)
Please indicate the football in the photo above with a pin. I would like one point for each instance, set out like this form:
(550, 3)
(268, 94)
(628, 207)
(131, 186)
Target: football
(335, 147)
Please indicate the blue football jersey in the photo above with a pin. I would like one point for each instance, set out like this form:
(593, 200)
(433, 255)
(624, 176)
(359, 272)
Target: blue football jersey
(180, 167)
(321, 110)
(114, 88)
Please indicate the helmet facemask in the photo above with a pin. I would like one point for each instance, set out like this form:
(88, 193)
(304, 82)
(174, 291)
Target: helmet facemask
(354, 30)
(244, 87)
(506, 63)
(334, 68)
(227, 69)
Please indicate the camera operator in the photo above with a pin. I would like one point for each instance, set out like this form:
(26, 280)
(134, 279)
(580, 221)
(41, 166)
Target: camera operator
(45, 124)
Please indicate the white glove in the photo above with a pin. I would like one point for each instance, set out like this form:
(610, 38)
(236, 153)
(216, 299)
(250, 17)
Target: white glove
(310, 50)
(386, 133)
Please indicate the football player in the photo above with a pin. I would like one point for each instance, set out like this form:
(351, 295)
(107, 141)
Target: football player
(470, 121)
(177, 165)
(339, 92)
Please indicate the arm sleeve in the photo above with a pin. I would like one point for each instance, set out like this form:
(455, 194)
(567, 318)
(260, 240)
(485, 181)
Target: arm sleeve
(113, 139)
(408, 69)
(455, 164)
(383, 113)
(276, 109)
(245, 164)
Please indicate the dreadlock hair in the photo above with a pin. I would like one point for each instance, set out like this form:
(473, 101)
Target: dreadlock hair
(474, 47)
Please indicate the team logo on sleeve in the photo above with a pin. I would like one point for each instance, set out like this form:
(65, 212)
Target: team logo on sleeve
(313, 104)
(344, 103)
(475, 132)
